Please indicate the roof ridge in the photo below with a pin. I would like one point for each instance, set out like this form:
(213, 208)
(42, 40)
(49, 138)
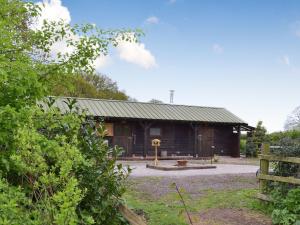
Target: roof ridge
(128, 101)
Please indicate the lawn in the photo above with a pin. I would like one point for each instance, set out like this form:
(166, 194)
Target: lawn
(213, 205)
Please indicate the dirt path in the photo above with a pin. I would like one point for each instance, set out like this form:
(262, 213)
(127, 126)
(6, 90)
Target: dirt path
(230, 217)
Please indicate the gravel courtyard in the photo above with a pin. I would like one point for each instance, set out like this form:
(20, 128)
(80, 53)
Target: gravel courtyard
(139, 169)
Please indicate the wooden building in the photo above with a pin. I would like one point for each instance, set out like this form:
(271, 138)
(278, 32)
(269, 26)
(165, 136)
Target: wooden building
(183, 130)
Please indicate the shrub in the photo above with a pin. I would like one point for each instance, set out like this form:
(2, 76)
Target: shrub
(275, 137)
(67, 174)
(286, 206)
(251, 150)
(55, 167)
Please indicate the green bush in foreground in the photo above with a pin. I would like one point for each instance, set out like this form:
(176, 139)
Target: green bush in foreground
(55, 167)
(286, 207)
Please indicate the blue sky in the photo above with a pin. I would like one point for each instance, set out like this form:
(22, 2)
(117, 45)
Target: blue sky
(241, 55)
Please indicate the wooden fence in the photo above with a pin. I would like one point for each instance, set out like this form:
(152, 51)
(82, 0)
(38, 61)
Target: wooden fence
(265, 158)
(131, 216)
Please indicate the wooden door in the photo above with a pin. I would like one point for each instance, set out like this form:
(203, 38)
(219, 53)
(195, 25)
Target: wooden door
(123, 138)
(205, 141)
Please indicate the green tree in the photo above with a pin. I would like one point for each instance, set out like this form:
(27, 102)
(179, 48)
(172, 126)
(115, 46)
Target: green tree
(259, 135)
(251, 150)
(255, 140)
(55, 168)
(87, 86)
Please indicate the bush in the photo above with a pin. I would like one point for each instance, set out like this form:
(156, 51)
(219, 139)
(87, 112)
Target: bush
(276, 137)
(251, 150)
(286, 197)
(14, 204)
(55, 167)
(67, 174)
(286, 206)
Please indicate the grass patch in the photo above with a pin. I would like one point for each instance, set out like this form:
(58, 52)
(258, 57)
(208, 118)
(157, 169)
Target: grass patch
(168, 210)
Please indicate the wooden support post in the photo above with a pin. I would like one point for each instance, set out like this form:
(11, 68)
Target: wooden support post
(145, 141)
(264, 167)
(239, 142)
(195, 141)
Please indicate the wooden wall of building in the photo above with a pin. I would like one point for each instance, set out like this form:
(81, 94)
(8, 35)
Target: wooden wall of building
(177, 138)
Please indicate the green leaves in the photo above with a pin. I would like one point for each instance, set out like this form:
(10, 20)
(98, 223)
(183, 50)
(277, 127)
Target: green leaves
(55, 168)
(286, 208)
(14, 204)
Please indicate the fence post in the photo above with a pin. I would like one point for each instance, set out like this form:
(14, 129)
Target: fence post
(264, 167)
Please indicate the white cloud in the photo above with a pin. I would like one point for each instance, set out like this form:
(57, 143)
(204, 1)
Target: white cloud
(102, 61)
(152, 20)
(217, 48)
(286, 60)
(132, 52)
(135, 53)
(52, 10)
(172, 1)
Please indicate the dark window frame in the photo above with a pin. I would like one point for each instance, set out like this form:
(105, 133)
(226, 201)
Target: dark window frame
(155, 133)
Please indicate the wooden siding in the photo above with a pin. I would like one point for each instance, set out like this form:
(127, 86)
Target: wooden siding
(178, 139)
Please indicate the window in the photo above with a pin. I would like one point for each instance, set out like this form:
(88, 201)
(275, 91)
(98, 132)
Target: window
(155, 132)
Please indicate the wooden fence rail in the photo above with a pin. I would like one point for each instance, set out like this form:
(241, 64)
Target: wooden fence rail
(131, 216)
(265, 158)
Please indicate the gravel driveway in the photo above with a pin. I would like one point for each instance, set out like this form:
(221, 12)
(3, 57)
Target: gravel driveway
(139, 170)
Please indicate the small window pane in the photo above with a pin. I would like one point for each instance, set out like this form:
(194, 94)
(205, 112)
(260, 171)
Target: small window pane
(154, 131)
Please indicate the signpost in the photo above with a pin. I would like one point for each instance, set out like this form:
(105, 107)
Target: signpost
(155, 144)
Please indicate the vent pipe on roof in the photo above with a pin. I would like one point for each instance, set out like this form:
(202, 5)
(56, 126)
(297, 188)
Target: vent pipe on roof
(171, 96)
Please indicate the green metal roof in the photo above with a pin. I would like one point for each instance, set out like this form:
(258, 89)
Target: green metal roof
(151, 111)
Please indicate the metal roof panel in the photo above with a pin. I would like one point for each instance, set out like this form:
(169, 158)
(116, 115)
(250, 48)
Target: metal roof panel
(152, 111)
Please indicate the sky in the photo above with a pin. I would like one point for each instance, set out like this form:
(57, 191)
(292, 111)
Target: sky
(241, 55)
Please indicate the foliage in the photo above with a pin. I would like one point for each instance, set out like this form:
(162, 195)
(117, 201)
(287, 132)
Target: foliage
(275, 137)
(259, 135)
(13, 205)
(243, 143)
(286, 197)
(255, 140)
(55, 168)
(286, 206)
(251, 150)
(287, 147)
(87, 86)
